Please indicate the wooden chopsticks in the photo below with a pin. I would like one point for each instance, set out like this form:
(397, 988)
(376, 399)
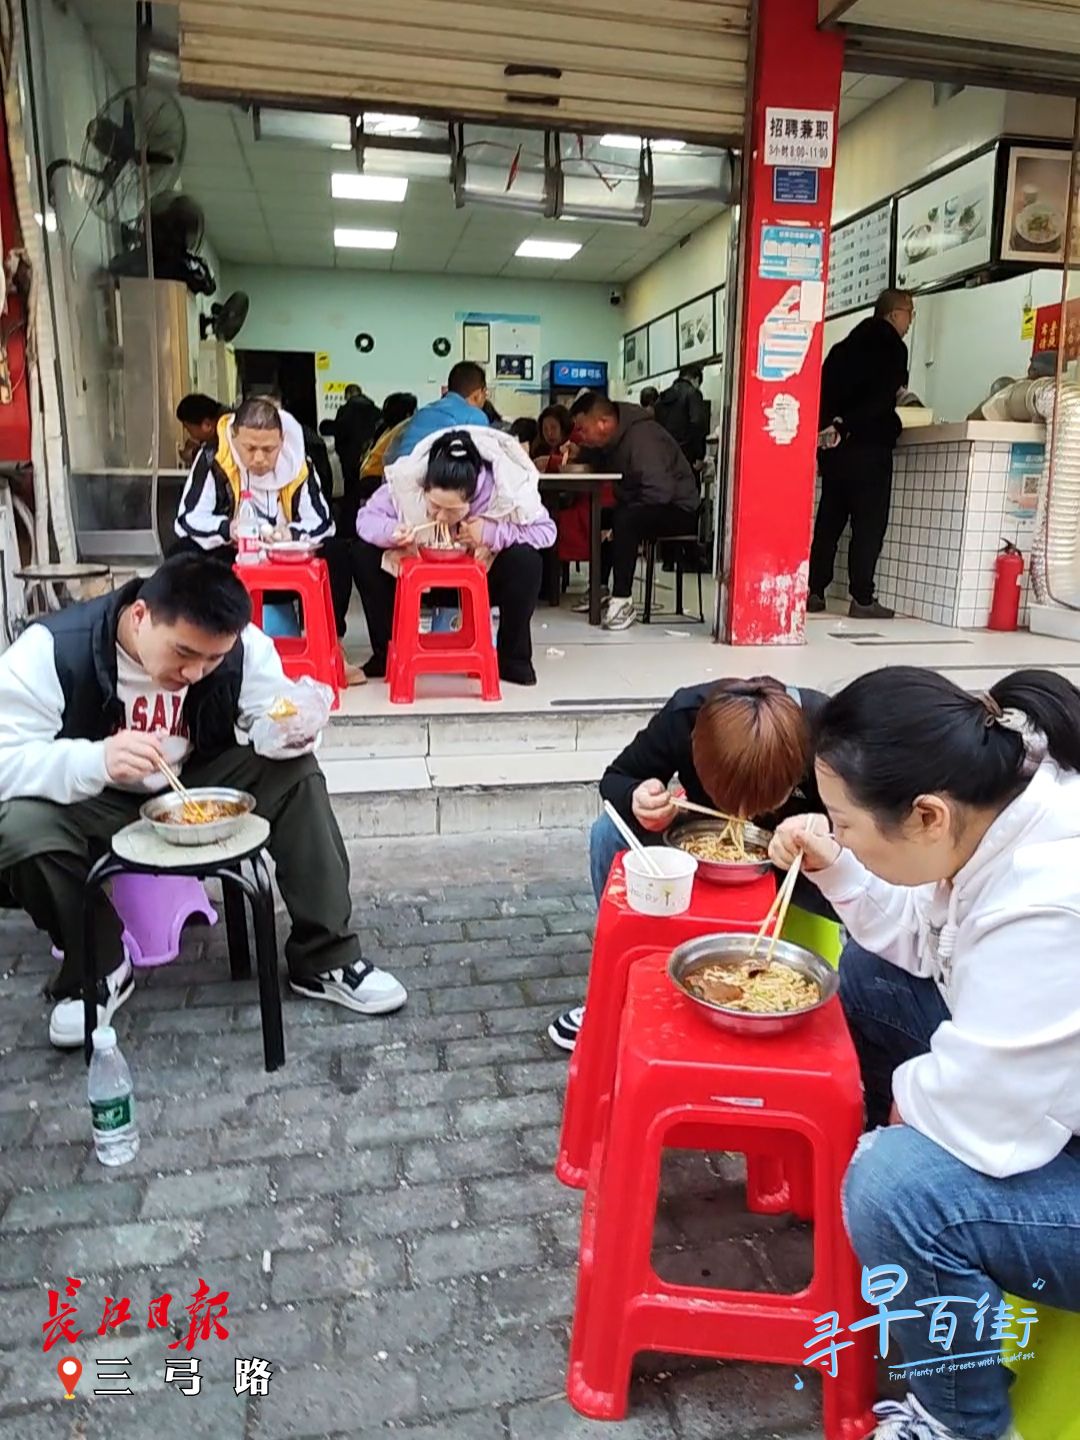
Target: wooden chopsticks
(681, 803)
(778, 911)
(780, 905)
(185, 795)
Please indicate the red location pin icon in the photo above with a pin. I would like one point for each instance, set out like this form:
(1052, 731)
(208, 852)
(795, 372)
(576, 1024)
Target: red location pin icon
(69, 1370)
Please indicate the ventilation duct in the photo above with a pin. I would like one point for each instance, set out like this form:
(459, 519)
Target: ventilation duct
(574, 178)
(1055, 556)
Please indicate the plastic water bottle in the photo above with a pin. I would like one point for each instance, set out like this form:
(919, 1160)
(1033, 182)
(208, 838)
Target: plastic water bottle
(248, 548)
(112, 1101)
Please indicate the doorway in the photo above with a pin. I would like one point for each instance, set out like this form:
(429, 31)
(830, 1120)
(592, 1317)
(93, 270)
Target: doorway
(290, 371)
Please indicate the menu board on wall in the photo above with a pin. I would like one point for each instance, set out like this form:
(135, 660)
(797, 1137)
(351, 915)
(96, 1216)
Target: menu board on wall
(1036, 204)
(943, 228)
(860, 261)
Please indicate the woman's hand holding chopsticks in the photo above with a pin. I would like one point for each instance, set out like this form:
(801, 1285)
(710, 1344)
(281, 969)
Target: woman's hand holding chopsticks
(807, 836)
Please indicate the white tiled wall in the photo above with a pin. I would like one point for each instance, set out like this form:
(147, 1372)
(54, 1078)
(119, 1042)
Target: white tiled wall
(948, 519)
(989, 522)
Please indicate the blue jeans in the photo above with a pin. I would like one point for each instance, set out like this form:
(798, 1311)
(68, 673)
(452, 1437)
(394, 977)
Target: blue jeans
(605, 843)
(955, 1231)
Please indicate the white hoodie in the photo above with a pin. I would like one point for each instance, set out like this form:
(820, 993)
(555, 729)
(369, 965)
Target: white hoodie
(1000, 1085)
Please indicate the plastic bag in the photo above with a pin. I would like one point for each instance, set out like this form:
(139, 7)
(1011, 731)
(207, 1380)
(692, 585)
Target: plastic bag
(295, 719)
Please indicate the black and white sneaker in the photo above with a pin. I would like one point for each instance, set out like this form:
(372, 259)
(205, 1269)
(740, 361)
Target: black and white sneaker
(358, 987)
(565, 1028)
(66, 1028)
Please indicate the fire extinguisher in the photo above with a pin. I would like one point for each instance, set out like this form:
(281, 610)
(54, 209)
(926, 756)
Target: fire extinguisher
(1005, 604)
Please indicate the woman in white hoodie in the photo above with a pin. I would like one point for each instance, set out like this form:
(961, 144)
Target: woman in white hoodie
(954, 862)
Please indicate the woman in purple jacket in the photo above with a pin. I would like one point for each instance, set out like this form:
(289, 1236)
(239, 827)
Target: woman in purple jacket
(481, 484)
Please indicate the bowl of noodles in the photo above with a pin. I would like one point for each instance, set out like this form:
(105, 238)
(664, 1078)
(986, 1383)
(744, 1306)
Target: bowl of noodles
(742, 993)
(731, 854)
(213, 813)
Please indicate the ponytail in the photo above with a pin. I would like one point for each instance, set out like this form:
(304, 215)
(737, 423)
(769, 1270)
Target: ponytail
(1051, 705)
(902, 732)
(454, 463)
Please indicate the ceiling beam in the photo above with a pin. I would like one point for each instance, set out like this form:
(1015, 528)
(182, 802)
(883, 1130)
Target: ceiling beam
(830, 11)
(875, 51)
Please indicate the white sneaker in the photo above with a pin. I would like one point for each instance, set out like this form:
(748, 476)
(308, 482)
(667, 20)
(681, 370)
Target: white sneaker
(620, 614)
(358, 987)
(565, 1028)
(66, 1029)
(581, 607)
(908, 1420)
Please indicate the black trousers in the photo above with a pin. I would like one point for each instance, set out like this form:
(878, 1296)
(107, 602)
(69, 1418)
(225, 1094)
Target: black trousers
(46, 851)
(856, 486)
(513, 585)
(633, 524)
(336, 551)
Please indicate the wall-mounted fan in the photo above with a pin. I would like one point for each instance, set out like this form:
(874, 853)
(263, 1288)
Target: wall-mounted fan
(177, 227)
(225, 320)
(110, 167)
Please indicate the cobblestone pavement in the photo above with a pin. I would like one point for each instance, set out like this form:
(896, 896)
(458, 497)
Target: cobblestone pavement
(381, 1211)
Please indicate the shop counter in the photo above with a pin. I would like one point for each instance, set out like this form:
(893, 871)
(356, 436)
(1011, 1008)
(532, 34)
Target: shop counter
(958, 492)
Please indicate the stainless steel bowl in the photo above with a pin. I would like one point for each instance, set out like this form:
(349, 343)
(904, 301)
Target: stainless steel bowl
(732, 950)
(722, 872)
(155, 810)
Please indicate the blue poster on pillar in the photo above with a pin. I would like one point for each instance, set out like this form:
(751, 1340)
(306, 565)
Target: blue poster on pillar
(792, 252)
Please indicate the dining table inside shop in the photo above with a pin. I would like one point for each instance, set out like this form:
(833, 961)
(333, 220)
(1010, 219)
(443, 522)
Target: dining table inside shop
(580, 482)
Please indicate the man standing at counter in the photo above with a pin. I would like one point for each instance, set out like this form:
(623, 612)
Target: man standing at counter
(860, 381)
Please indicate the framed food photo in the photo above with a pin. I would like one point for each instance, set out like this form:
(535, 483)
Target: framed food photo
(1036, 205)
(943, 225)
(697, 338)
(636, 356)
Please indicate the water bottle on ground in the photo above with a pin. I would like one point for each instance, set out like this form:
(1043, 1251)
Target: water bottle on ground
(112, 1103)
(248, 546)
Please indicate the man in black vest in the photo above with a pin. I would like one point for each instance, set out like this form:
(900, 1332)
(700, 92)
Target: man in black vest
(91, 699)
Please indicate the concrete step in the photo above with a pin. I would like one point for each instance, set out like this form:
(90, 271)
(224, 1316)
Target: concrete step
(409, 734)
(416, 776)
(464, 795)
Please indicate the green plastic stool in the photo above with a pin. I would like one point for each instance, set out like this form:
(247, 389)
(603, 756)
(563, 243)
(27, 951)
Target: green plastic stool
(1045, 1395)
(814, 932)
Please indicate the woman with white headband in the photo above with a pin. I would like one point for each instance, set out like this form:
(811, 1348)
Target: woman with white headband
(953, 859)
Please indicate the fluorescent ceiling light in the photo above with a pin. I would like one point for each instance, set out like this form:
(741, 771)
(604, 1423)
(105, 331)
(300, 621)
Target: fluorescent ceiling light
(547, 249)
(375, 123)
(633, 142)
(348, 186)
(48, 220)
(346, 239)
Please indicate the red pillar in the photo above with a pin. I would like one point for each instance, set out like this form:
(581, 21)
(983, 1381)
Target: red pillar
(14, 390)
(786, 233)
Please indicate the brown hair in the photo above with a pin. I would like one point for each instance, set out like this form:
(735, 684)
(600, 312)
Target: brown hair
(751, 745)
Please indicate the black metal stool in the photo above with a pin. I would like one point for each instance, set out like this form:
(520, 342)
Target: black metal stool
(650, 550)
(136, 849)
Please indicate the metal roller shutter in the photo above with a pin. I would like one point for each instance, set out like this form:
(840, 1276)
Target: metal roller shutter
(678, 67)
(1028, 44)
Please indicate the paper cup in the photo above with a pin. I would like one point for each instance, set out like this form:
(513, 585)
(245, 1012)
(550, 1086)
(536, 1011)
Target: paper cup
(669, 895)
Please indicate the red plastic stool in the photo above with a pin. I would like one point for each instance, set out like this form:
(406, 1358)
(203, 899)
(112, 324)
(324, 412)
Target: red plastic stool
(623, 937)
(468, 651)
(316, 651)
(683, 1084)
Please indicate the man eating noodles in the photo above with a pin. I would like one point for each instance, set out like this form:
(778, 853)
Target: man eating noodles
(91, 700)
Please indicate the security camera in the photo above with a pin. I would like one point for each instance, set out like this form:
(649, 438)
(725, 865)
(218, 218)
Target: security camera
(615, 295)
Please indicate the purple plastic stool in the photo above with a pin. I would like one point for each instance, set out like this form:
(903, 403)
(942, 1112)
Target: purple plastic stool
(154, 909)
